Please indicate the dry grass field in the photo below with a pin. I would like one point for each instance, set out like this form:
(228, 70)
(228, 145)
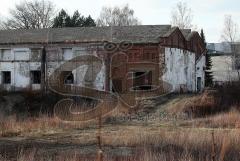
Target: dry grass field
(186, 127)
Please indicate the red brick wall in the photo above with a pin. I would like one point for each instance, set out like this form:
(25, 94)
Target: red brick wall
(141, 57)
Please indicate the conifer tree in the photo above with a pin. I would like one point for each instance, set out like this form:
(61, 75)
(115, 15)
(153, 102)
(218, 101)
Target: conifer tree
(77, 20)
(208, 73)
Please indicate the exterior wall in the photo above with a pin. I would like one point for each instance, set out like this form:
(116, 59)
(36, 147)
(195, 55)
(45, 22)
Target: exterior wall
(193, 42)
(19, 62)
(180, 65)
(140, 58)
(57, 55)
(7, 66)
(179, 70)
(183, 56)
(200, 71)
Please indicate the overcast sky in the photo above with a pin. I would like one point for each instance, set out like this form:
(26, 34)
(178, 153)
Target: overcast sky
(208, 14)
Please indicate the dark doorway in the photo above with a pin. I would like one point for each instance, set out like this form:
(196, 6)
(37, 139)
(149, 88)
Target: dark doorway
(142, 80)
(6, 77)
(199, 83)
(35, 77)
(117, 85)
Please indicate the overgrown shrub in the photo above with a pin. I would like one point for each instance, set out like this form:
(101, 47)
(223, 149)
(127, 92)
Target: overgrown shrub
(211, 102)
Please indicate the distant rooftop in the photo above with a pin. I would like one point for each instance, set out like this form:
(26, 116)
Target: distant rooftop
(219, 48)
(223, 48)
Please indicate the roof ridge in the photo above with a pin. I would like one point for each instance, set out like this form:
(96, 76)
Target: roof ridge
(37, 29)
(136, 34)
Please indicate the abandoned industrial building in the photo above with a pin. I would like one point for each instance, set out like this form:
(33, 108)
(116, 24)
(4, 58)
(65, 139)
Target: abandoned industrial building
(146, 56)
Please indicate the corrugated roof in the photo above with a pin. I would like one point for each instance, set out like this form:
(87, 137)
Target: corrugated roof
(136, 34)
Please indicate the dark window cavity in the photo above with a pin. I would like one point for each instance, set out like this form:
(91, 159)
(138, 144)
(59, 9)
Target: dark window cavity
(6, 77)
(68, 78)
(36, 77)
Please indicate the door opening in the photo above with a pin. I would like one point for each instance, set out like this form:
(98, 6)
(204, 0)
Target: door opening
(142, 80)
(117, 85)
(199, 82)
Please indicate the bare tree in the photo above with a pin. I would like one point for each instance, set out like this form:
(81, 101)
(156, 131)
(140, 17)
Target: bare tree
(230, 29)
(1, 25)
(117, 17)
(182, 16)
(31, 14)
(229, 35)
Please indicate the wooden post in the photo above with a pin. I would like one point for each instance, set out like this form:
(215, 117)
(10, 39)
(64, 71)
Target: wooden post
(213, 147)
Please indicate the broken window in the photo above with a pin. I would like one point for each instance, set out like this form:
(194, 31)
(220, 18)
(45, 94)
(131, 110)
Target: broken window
(53, 55)
(237, 62)
(68, 77)
(36, 77)
(142, 80)
(6, 77)
(35, 54)
(22, 54)
(67, 53)
(6, 54)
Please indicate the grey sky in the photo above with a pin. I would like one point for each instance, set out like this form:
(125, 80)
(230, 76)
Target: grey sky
(208, 14)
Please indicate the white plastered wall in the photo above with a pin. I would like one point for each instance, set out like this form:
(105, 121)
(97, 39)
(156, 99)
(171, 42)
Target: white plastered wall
(180, 70)
(80, 72)
(17, 61)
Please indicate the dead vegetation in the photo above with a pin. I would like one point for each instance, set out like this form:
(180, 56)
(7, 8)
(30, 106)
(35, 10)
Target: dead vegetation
(229, 119)
(11, 127)
(211, 102)
(44, 124)
(196, 106)
(206, 128)
(149, 143)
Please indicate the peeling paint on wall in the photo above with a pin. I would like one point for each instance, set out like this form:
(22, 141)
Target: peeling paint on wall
(180, 66)
(200, 70)
(180, 69)
(17, 61)
(83, 75)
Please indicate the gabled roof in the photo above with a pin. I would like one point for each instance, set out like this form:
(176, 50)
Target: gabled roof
(167, 34)
(191, 35)
(135, 34)
(185, 32)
